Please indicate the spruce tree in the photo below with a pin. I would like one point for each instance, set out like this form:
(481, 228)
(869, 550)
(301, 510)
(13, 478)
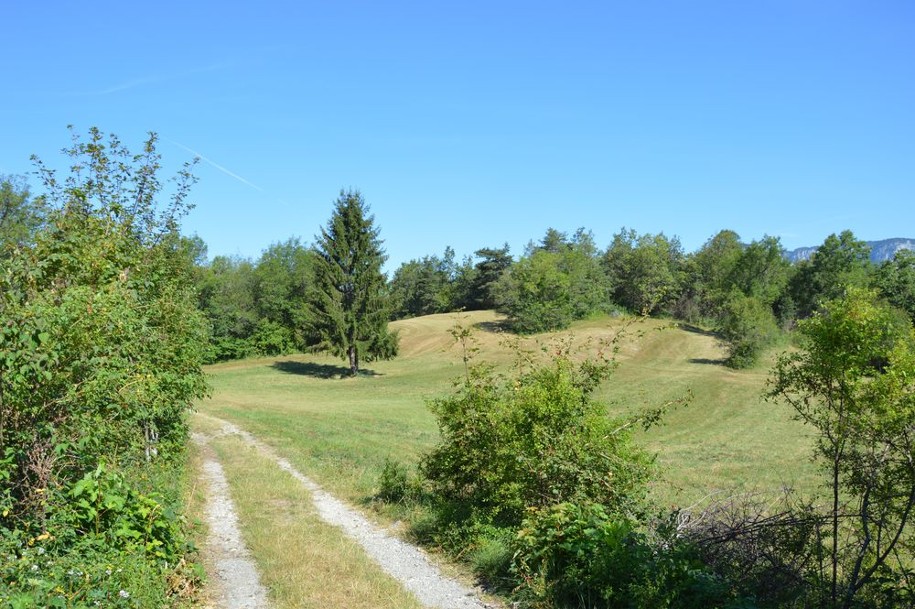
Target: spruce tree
(349, 307)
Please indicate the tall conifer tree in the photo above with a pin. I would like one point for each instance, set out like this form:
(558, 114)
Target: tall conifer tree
(350, 308)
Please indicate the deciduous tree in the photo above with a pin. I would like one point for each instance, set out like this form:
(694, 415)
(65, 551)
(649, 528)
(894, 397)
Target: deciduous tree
(425, 286)
(20, 213)
(840, 262)
(761, 270)
(711, 267)
(895, 279)
(556, 283)
(226, 297)
(644, 270)
(282, 277)
(854, 384)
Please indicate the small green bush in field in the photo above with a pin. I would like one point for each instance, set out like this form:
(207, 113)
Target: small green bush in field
(544, 494)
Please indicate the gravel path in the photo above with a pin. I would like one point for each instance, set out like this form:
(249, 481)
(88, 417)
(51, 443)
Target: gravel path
(405, 562)
(237, 583)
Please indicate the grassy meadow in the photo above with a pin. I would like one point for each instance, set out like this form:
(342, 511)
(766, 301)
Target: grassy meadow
(340, 430)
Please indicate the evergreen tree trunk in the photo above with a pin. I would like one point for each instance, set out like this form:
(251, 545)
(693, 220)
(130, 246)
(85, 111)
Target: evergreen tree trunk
(353, 360)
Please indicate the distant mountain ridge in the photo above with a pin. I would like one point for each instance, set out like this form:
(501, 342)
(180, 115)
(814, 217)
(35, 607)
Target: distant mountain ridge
(880, 250)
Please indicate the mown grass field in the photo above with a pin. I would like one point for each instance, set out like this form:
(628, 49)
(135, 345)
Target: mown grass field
(341, 430)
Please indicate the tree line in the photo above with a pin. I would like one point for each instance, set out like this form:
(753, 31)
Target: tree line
(749, 293)
(332, 295)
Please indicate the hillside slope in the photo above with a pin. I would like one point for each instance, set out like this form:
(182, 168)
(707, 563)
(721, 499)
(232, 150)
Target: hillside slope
(341, 430)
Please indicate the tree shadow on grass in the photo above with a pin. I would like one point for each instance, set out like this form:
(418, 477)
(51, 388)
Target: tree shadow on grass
(707, 361)
(319, 371)
(697, 330)
(500, 326)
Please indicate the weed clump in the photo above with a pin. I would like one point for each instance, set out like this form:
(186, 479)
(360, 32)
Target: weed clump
(393, 482)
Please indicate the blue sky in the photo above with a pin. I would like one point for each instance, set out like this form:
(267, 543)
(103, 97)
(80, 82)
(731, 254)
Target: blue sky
(472, 123)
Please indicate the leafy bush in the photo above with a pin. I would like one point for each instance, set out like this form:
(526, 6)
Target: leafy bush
(100, 353)
(102, 503)
(89, 575)
(571, 555)
(102, 543)
(227, 348)
(535, 440)
(272, 338)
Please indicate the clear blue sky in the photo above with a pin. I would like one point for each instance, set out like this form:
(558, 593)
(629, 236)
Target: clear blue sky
(473, 123)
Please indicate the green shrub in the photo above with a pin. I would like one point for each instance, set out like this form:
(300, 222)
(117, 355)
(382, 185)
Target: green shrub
(272, 338)
(225, 348)
(100, 353)
(102, 503)
(532, 441)
(102, 543)
(393, 482)
(544, 494)
(35, 572)
(571, 555)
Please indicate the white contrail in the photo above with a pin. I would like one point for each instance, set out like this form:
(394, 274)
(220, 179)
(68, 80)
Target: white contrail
(148, 80)
(216, 165)
(123, 86)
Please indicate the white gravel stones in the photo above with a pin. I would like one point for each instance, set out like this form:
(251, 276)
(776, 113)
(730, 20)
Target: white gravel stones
(237, 580)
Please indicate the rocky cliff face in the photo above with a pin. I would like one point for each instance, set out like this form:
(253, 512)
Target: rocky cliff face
(886, 249)
(880, 250)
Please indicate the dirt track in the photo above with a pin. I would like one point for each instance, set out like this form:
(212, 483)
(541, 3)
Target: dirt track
(236, 580)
